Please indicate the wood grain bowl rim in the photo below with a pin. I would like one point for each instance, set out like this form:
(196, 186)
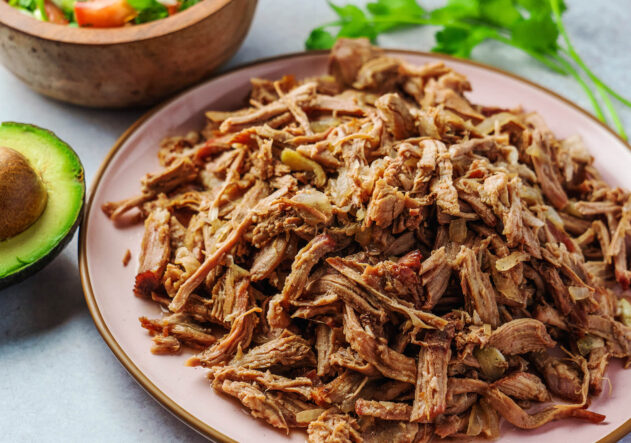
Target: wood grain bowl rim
(18, 21)
(169, 404)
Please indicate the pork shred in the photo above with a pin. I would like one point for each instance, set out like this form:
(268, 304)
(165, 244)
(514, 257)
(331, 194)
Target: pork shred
(155, 251)
(370, 256)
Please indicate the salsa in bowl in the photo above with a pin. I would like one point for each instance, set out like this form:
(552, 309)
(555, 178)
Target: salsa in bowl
(100, 13)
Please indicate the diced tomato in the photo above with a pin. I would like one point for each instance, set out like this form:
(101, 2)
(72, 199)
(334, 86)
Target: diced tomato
(103, 13)
(172, 9)
(54, 14)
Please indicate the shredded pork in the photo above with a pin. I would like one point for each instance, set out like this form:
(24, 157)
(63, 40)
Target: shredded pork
(369, 256)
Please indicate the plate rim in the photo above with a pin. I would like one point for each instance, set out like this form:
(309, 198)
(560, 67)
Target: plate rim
(164, 400)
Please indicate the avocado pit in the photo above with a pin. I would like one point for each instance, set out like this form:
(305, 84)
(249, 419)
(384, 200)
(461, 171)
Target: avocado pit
(23, 195)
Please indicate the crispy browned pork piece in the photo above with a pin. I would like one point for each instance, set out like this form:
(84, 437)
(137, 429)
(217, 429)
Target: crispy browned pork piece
(369, 256)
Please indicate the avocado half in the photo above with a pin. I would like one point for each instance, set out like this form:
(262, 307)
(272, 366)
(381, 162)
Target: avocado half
(59, 170)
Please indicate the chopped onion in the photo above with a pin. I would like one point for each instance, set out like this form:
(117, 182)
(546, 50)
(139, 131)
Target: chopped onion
(341, 191)
(491, 429)
(571, 209)
(476, 422)
(510, 261)
(531, 220)
(476, 320)
(324, 123)
(500, 119)
(487, 329)
(239, 271)
(625, 311)
(492, 362)
(309, 415)
(506, 286)
(315, 199)
(588, 343)
(511, 154)
(535, 150)
(577, 149)
(360, 214)
(458, 230)
(579, 292)
(186, 259)
(530, 195)
(554, 217)
(298, 162)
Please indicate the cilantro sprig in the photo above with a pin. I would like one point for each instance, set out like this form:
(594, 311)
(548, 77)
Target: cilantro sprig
(532, 26)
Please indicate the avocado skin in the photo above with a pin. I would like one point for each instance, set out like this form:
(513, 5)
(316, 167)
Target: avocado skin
(38, 265)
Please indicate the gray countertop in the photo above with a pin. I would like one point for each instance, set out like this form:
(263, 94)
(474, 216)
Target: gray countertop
(58, 379)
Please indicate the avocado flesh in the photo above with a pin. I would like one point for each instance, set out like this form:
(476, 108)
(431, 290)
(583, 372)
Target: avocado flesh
(62, 175)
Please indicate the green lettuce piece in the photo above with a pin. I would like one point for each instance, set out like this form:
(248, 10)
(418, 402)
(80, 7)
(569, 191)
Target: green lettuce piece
(148, 10)
(187, 4)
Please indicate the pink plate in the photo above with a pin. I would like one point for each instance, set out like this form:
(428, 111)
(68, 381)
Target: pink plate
(184, 390)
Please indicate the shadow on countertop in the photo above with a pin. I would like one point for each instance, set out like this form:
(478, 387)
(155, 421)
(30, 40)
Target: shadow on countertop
(43, 301)
(35, 313)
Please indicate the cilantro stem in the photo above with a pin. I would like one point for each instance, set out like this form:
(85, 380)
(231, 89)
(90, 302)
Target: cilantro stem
(537, 56)
(612, 111)
(572, 53)
(592, 98)
(579, 61)
(414, 21)
(404, 21)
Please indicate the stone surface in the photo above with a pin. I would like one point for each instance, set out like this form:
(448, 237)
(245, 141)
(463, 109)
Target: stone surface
(58, 379)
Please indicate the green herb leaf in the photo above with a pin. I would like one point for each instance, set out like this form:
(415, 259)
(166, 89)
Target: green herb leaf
(539, 8)
(537, 33)
(460, 42)
(150, 14)
(139, 5)
(499, 12)
(502, 13)
(456, 10)
(354, 22)
(450, 40)
(401, 8)
(320, 39)
(185, 4)
(148, 10)
(397, 12)
(28, 5)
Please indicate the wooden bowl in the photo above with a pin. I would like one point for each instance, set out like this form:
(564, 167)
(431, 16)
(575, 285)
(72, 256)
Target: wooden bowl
(118, 67)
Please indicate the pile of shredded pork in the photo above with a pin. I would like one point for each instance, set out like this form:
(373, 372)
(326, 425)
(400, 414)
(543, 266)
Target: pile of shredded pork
(370, 257)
